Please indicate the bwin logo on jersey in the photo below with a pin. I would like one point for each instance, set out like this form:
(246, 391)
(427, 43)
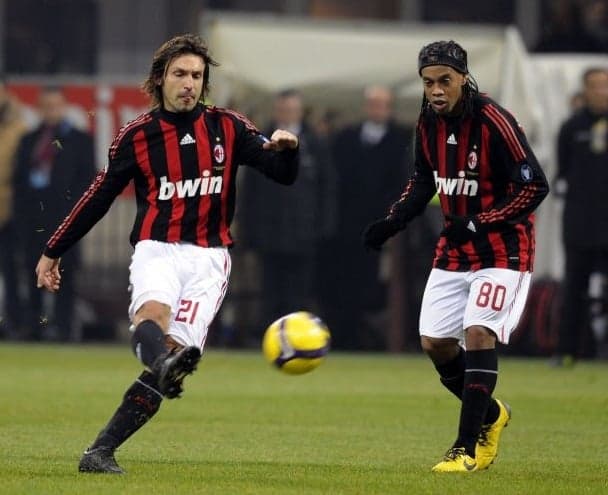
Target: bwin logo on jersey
(452, 186)
(201, 186)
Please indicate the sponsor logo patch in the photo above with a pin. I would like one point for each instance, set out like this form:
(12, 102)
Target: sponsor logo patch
(453, 186)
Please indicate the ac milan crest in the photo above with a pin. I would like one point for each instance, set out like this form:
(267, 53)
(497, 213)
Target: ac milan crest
(218, 153)
(472, 160)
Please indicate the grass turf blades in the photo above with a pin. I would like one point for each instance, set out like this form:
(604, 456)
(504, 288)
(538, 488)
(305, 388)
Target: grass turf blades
(372, 424)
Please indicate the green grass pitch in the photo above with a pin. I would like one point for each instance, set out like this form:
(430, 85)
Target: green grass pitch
(359, 424)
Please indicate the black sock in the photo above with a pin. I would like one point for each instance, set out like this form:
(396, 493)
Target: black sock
(148, 342)
(480, 378)
(140, 402)
(451, 374)
(493, 413)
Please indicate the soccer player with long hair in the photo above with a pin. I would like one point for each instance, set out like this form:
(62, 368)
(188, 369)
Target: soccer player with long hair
(183, 157)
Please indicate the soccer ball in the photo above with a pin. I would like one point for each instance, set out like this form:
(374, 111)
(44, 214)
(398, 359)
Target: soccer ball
(296, 343)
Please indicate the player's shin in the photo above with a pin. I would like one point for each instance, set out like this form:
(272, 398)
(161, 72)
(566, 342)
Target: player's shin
(481, 374)
(140, 402)
(451, 374)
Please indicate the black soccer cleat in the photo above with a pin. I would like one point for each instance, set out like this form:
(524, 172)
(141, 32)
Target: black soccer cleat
(99, 460)
(172, 368)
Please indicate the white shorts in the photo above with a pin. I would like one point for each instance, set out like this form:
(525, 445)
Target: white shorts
(492, 297)
(192, 280)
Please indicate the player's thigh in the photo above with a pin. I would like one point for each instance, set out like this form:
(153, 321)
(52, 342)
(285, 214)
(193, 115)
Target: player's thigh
(153, 276)
(443, 304)
(497, 297)
(202, 294)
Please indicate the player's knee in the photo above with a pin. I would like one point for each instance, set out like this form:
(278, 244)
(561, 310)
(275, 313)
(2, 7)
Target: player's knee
(479, 337)
(155, 311)
(439, 350)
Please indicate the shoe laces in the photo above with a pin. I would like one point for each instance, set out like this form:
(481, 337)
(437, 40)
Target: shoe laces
(454, 453)
(483, 435)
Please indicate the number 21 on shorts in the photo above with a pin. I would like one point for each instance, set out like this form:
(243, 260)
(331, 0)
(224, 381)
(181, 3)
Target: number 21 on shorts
(187, 311)
(492, 295)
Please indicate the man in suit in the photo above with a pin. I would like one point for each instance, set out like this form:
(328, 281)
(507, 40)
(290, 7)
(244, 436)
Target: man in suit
(371, 161)
(54, 165)
(287, 240)
(12, 128)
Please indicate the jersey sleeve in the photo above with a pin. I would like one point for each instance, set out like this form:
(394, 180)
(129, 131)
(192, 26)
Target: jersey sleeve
(526, 184)
(95, 201)
(418, 191)
(280, 166)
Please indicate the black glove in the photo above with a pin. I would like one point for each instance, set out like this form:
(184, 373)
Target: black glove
(378, 232)
(461, 229)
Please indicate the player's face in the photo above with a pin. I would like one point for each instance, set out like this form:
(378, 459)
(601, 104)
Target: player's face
(183, 83)
(443, 88)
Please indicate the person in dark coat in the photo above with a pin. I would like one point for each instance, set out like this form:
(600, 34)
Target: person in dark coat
(371, 163)
(285, 227)
(54, 166)
(12, 127)
(582, 180)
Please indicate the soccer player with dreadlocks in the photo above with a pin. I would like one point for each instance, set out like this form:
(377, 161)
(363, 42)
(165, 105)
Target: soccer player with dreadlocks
(475, 156)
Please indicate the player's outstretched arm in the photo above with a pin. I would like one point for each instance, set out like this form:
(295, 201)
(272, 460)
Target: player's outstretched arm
(281, 140)
(48, 275)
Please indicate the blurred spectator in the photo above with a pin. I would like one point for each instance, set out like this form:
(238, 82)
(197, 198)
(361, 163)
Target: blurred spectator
(582, 180)
(325, 123)
(11, 130)
(573, 27)
(54, 166)
(285, 227)
(371, 163)
(595, 21)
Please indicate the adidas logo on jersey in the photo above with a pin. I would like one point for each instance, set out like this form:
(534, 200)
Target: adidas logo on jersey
(201, 186)
(187, 139)
(452, 186)
(452, 139)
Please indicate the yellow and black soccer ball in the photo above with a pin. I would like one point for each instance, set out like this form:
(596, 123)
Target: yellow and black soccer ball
(296, 343)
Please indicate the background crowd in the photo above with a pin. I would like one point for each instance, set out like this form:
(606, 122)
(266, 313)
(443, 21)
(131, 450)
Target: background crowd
(299, 247)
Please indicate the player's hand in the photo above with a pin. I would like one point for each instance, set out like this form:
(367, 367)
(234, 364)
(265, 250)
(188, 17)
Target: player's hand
(460, 230)
(378, 232)
(48, 274)
(281, 140)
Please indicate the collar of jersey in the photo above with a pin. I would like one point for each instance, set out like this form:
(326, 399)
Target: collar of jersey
(182, 117)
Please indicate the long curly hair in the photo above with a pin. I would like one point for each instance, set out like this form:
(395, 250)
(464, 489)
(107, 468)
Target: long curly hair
(168, 51)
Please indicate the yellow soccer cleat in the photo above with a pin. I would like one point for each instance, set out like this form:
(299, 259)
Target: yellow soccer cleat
(456, 460)
(486, 449)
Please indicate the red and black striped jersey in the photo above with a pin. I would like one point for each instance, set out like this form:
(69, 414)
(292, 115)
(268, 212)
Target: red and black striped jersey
(480, 165)
(184, 168)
